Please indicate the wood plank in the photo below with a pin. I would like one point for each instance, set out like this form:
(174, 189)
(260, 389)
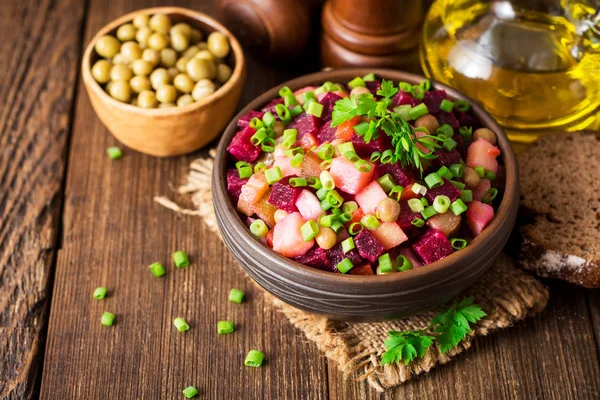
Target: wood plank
(550, 356)
(593, 297)
(38, 64)
(112, 231)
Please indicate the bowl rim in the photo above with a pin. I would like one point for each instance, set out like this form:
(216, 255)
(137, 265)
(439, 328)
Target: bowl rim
(223, 91)
(283, 266)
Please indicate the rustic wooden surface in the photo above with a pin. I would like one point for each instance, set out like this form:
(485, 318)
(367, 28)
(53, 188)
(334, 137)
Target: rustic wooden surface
(71, 220)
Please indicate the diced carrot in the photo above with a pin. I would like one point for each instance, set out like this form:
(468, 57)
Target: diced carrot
(345, 130)
(269, 238)
(265, 210)
(308, 141)
(356, 216)
(362, 270)
(408, 194)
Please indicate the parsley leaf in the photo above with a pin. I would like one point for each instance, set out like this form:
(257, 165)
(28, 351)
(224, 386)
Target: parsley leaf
(387, 89)
(453, 325)
(343, 110)
(405, 346)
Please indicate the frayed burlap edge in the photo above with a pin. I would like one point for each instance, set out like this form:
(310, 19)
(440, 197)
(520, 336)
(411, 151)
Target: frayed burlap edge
(506, 293)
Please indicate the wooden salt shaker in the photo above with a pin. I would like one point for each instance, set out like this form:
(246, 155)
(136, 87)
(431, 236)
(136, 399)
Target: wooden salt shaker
(368, 33)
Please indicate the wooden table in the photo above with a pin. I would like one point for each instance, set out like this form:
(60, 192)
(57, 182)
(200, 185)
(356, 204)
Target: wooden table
(71, 219)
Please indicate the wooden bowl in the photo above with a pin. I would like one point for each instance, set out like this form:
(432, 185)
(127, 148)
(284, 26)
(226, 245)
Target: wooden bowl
(168, 131)
(355, 297)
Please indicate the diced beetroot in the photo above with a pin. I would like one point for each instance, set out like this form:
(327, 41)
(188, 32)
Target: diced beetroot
(368, 246)
(284, 196)
(342, 235)
(403, 98)
(445, 158)
(245, 120)
(328, 101)
(365, 150)
(326, 133)
(242, 148)
(407, 216)
(481, 152)
(433, 99)
(305, 123)
(235, 183)
(309, 205)
(446, 189)
(447, 118)
(346, 177)
(317, 258)
(339, 93)
(460, 145)
(264, 210)
(336, 255)
(479, 216)
(271, 106)
(478, 192)
(287, 237)
(390, 235)
(402, 176)
(466, 119)
(373, 86)
(432, 246)
(364, 269)
(369, 197)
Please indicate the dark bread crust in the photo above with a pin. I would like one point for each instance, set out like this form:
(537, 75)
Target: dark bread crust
(560, 213)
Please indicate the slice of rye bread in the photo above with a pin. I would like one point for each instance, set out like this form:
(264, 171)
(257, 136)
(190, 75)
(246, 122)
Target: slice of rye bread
(560, 207)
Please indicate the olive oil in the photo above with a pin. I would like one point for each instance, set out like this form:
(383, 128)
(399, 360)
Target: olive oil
(531, 70)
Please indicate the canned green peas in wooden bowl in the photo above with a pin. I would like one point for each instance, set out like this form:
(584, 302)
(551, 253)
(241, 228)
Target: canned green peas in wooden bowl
(164, 81)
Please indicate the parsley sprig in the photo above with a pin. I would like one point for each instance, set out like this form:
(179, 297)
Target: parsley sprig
(448, 328)
(402, 134)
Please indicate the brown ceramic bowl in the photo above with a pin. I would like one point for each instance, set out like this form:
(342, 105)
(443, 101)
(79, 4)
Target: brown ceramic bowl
(168, 131)
(355, 297)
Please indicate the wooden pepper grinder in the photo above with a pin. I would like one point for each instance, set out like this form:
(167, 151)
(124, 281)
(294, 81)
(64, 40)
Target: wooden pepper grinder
(279, 29)
(368, 33)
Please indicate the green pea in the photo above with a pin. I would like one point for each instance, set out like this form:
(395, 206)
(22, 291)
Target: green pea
(185, 100)
(140, 83)
(160, 23)
(121, 91)
(158, 41)
(121, 73)
(126, 32)
(107, 46)
(101, 71)
(218, 44)
(183, 83)
(147, 99)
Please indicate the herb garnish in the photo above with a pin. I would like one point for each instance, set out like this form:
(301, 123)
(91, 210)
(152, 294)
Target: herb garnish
(448, 328)
(404, 139)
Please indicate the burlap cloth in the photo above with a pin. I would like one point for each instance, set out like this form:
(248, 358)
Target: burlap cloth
(506, 293)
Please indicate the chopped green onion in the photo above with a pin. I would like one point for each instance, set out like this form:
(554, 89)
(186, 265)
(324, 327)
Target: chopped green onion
(489, 195)
(244, 169)
(322, 193)
(315, 109)
(283, 113)
(256, 123)
(376, 155)
(446, 105)
(403, 263)
(370, 222)
(285, 91)
(114, 153)
(418, 222)
(236, 296)
(350, 207)
(458, 184)
(180, 258)
(345, 217)
(107, 318)
(425, 85)
(428, 212)
(309, 230)
(325, 165)
(441, 203)
(480, 171)
(403, 111)
(181, 324)
(326, 220)
(354, 228)
(157, 269)
(363, 166)
(385, 263)
(326, 151)
(489, 175)
(462, 105)
(259, 137)
(268, 119)
(334, 198)
(396, 192)
(190, 392)
(357, 82)
(466, 132)
(298, 182)
(348, 245)
(325, 205)
(458, 207)
(297, 160)
(369, 77)
(273, 175)
(387, 156)
(444, 172)
(314, 182)
(224, 327)
(449, 144)
(327, 180)
(466, 195)
(345, 265)
(418, 111)
(415, 205)
(405, 86)
(290, 100)
(254, 358)
(457, 170)
(424, 201)
(386, 182)
(433, 180)
(351, 156)
(417, 188)
(259, 229)
(417, 92)
(458, 243)
(337, 226)
(289, 138)
(445, 130)
(337, 212)
(296, 110)
(99, 293)
(361, 128)
(268, 145)
(260, 166)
